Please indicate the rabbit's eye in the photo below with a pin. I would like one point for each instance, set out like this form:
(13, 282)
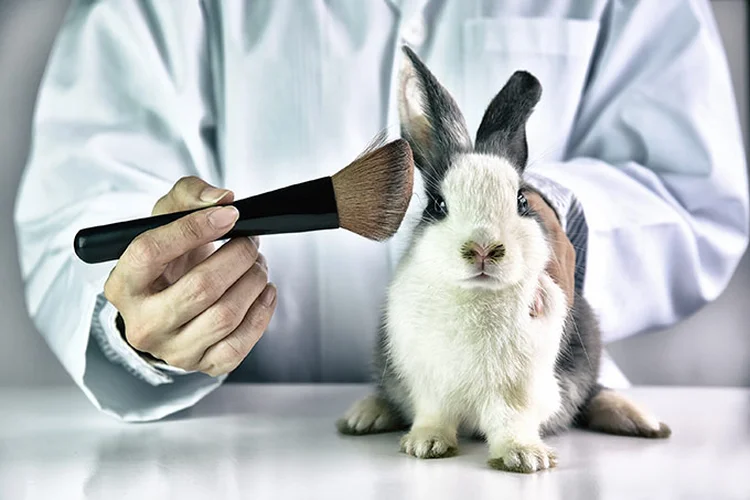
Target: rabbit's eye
(437, 209)
(523, 204)
(440, 206)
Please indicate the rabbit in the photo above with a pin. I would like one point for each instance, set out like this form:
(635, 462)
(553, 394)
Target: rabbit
(458, 350)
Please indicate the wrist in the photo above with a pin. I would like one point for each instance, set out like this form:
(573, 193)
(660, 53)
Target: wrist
(107, 335)
(120, 325)
(147, 357)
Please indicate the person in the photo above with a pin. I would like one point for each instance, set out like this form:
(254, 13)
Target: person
(153, 106)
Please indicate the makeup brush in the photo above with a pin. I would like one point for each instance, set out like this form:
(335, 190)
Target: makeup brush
(369, 197)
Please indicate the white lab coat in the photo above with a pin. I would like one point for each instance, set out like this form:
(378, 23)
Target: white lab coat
(637, 121)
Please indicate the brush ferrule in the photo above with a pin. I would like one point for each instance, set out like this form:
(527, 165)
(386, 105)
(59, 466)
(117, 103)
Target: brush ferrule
(309, 206)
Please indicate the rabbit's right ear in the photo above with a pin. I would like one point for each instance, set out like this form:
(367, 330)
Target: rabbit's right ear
(430, 119)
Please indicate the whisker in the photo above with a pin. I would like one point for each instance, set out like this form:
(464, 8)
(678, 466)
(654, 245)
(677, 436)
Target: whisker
(552, 148)
(578, 333)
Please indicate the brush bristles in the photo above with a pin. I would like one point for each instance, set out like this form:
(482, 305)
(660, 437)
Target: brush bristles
(373, 192)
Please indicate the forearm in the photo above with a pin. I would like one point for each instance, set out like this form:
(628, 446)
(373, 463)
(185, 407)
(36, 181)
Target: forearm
(105, 150)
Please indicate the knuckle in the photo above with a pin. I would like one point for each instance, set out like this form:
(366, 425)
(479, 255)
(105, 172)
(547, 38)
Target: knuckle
(246, 250)
(235, 351)
(259, 273)
(162, 205)
(191, 228)
(258, 320)
(184, 193)
(229, 357)
(201, 289)
(258, 270)
(226, 317)
(186, 185)
(224, 357)
(143, 250)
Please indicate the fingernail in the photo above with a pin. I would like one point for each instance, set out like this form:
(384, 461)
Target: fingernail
(223, 217)
(268, 295)
(213, 195)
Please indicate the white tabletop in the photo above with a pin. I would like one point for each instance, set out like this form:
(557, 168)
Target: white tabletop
(277, 441)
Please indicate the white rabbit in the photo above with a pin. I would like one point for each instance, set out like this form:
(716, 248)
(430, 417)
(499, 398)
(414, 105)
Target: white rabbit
(459, 349)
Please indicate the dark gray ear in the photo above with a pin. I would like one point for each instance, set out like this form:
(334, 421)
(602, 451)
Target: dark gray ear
(430, 119)
(503, 128)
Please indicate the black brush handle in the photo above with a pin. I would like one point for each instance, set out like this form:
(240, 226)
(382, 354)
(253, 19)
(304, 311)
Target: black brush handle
(309, 206)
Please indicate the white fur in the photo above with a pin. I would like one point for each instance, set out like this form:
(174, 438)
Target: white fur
(468, 352)
(369, 414)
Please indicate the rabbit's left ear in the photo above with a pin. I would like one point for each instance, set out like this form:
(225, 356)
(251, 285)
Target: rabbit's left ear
(430, 119)
(503, 128)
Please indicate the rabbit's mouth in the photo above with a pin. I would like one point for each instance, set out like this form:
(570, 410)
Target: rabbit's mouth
(483, 278)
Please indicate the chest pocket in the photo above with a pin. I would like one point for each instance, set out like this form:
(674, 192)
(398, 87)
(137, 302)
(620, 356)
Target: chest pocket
(556, 51)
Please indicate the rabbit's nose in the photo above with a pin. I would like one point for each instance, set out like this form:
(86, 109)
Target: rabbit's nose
(475, 253)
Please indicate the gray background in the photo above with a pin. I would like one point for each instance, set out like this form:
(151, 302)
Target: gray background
(710, 348)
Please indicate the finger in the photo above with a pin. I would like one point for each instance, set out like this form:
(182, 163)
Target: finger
(562, 267)
(558, 271)
(227, 354)
(148, 255)
(158, 316)
(545, 212)
(191, 192)
(206, 283)
(262, 261)
(537, 306)
(189, 345)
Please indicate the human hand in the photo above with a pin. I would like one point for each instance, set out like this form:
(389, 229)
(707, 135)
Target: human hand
(562, 264)
(183, 301)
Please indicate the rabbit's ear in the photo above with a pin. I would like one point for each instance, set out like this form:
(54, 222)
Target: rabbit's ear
(430, 119)
(503, 128)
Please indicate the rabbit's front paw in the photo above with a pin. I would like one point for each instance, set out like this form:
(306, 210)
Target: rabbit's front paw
(429, 442)
(526, 458)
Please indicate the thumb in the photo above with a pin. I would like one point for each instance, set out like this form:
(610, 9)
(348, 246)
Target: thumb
(190, 193)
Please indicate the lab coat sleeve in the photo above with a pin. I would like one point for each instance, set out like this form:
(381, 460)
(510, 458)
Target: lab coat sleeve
(657, 163)
(124, 110)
